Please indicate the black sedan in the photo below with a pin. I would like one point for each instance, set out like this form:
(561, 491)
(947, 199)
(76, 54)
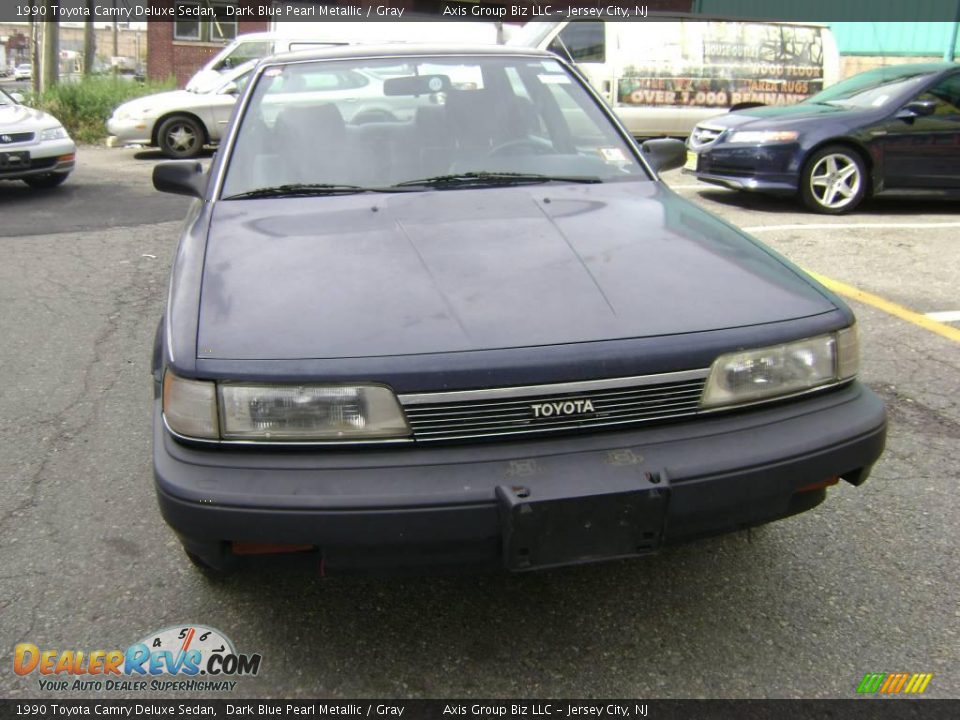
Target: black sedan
(476, 327)
(889, 129)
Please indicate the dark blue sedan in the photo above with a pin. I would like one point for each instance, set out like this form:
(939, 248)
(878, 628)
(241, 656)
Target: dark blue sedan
(889, 129)
(449, 314)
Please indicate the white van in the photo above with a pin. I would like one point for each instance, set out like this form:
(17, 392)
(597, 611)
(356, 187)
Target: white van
(662, 77)
(289, 36)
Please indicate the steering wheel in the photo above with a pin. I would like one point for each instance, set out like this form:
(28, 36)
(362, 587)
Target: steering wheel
(533, 146)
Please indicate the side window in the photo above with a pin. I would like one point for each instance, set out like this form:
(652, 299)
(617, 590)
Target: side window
(946, 94)
(581, 42)
(241, 82)
(242, 53)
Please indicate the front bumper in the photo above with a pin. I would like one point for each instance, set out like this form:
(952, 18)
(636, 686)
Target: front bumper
(50, 156)
(129, 131)
(444, 505)
(771, 169)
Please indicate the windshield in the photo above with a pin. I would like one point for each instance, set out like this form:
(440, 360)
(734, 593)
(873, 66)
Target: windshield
(394, 122)
(239, 76)
(6, 99)
(874, 88)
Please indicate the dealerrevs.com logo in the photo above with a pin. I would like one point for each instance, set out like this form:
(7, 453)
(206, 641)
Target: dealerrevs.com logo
(178, 658)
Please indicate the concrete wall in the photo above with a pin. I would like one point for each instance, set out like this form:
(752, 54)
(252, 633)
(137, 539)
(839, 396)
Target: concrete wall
(853, 64)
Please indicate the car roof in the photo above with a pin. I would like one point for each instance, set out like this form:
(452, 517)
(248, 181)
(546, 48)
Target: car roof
(392, 50)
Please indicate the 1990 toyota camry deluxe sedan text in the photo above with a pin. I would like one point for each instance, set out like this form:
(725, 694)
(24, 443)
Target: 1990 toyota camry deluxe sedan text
(468, 324)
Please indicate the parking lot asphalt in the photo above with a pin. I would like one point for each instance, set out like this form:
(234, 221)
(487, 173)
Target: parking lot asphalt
(867, 582)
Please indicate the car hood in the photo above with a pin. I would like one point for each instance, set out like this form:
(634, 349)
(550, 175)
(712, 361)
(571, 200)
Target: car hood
(204, 79)
(460, 270)
(776, 118)
(20, 118)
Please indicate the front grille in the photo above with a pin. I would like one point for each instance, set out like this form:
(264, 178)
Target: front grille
(553, 408)
(704, 135)
(11, 138)
(41, 164)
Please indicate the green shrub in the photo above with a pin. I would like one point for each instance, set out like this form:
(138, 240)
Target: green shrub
(84, 106)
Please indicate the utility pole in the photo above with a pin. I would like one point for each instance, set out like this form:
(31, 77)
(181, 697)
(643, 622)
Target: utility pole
(89, 42)
(116, 43)
(35, 55)
(51, 50)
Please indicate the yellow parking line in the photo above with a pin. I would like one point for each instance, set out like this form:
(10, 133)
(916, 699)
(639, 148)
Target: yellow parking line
(849, 291)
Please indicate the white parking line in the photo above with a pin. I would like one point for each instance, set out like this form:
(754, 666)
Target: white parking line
(854, 226)
(946, 316)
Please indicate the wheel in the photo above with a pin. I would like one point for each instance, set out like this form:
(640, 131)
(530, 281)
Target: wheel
(180, 137)
(534, 146)
(834, 180)
(50, 180)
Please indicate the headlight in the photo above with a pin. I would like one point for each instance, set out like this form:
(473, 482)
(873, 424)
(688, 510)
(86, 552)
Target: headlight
(753, 375)
(758, 137)
(239, 411)
(310, 412)
(54, 133)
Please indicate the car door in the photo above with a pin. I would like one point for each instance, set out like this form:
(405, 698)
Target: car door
(222, 102)
(923, 151)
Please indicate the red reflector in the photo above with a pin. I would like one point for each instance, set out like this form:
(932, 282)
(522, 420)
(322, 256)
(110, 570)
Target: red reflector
(240, 548)
(820, 485)
(67, 158)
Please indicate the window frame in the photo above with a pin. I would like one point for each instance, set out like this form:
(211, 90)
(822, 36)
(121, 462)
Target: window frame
(205, 32)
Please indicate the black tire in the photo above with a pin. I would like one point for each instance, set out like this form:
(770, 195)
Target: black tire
(180, 137)
(834, 180)
(49, 180)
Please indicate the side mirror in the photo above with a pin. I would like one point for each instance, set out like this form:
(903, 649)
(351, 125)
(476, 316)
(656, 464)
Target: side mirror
(917, 108)
(664, 153)
(230, 89)
(180, 177)
(17, 98)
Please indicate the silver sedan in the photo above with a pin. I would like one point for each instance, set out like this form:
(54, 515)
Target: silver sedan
(34, 146)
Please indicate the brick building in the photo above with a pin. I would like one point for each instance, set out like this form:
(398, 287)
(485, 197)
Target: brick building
(179, 48)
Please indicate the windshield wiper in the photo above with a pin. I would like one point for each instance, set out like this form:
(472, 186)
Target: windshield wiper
(304, 189)
(493, 178)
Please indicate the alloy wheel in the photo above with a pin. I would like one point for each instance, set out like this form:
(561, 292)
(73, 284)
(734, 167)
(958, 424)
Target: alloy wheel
(835, 181)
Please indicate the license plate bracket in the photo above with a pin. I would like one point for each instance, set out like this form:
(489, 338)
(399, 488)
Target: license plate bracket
(544, 528)
(14, 160)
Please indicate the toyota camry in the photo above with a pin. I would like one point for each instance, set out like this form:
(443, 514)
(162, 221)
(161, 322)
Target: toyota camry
(480, 331)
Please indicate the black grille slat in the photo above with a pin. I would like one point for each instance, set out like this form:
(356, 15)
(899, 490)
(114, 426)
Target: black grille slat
(17, 137)
(461, 420)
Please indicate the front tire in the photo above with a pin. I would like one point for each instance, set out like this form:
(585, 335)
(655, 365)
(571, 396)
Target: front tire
(50, 180)
(180, 137)
(834, 180)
